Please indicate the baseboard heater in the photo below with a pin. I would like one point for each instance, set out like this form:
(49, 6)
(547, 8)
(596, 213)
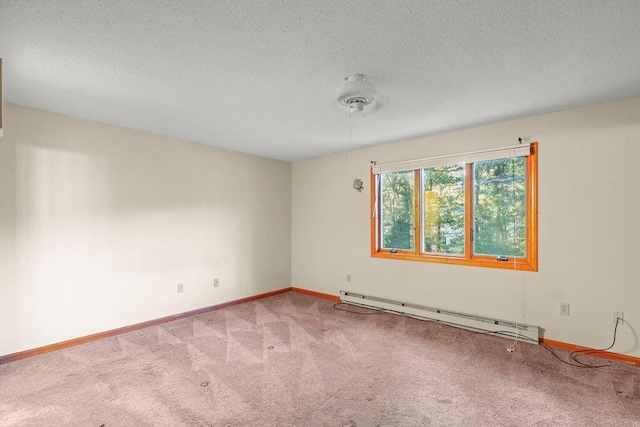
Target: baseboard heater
(504, 328)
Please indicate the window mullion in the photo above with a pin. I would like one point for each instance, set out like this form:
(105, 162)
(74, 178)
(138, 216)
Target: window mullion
(468, 211)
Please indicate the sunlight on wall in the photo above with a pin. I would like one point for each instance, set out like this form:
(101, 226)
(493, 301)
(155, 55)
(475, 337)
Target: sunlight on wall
(60, 222)
(102, 224)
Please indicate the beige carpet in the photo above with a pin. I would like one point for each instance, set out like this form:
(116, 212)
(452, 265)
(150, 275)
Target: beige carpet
(292, 360)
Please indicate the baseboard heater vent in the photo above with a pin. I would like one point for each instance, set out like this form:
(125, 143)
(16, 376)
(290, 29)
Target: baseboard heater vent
(504, 328)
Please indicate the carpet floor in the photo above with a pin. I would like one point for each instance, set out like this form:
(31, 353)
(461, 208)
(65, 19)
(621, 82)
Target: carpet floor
(293, 360)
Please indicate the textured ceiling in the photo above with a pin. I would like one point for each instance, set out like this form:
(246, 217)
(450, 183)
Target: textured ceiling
(260, 76)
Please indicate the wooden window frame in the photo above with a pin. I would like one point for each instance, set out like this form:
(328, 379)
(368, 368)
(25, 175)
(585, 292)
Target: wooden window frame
(527, 263)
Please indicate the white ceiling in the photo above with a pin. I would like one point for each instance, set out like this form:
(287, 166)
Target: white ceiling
(260, 76)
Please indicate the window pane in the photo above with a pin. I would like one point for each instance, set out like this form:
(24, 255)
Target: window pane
(443, 209)
(500, 207)
(397, 210)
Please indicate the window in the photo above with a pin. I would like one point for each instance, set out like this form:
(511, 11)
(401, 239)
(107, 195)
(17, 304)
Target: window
(475, 209)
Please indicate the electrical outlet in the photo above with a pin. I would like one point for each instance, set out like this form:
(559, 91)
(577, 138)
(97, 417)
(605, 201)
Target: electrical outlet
(564, 309)
(618, 315)
(216, 283)
(180, 288)
(348, 278)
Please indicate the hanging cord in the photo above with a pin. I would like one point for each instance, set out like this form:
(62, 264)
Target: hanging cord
(512, 348)
(350, 259)
(350, 142)
(351, 110)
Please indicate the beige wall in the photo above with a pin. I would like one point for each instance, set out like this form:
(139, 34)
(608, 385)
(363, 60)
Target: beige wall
(589, 207)
(98, 225)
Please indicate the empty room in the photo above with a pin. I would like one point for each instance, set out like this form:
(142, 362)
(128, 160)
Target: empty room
(330, 213)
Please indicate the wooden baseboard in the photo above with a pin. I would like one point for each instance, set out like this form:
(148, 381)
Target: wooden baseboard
(118, 331)
(317, 294)
(604, 354)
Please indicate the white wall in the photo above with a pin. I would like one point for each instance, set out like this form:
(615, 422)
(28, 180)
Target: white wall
(589, 238)
(98, 225)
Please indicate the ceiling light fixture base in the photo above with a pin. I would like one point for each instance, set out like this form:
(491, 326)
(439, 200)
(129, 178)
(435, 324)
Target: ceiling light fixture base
(357, 94)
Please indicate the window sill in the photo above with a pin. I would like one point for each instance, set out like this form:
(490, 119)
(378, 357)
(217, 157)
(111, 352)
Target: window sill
(487, 262)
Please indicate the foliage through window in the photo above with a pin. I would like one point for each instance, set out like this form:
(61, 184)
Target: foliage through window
(499, 207)
(443, 210)
(480, 213)
(397, 210)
